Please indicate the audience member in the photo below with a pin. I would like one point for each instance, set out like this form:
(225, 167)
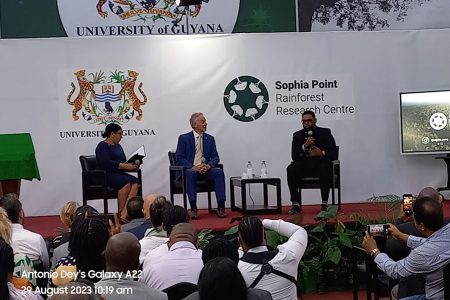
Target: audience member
(135, 206)
(67, 216)
(172, 216)
(79, 215)
(281, 282)
(182, 263)
(429, 255)
(220, 247)
(7, 289)
(122, 260)
(220, 279)
(71, 291)
(139, 231)
(24, 241)
(395, 249)
(23, 266)
(156, 236)
(86, 246)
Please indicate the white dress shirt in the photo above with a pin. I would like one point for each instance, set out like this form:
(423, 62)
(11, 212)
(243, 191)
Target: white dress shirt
(286, 261)
(29, 243)
(182, 263)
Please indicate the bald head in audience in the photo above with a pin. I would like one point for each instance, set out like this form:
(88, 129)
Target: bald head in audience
(148, 200)
(183, 232)
(430, 192)
(122, 252)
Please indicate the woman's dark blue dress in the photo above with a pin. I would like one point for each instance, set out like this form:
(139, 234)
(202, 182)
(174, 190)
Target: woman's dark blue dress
(108, 157)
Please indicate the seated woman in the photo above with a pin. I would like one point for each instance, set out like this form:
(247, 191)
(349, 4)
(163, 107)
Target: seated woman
(111, 158)
(87, 243)
(7, 289)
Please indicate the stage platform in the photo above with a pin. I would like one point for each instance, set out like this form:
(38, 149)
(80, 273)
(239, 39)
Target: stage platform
(50, 226)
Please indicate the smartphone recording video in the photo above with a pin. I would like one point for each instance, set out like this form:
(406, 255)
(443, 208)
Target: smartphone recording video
(378, 230)
(407, 204)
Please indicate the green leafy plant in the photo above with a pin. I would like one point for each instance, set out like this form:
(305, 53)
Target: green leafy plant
(381, 210)
(204, 237)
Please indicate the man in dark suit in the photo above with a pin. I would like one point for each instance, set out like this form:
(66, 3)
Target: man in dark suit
(313, 149)
(196, 151)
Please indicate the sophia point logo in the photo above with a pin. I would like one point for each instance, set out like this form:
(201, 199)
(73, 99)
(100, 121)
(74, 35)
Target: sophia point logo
(246, 98)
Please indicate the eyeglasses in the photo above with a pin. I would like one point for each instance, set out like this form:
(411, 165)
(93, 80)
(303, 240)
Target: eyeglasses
(308, 121)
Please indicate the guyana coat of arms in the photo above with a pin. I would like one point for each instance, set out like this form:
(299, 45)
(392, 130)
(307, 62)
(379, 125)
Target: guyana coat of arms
(102, 100)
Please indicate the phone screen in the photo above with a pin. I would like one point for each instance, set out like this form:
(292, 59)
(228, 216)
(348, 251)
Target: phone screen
(407, 199)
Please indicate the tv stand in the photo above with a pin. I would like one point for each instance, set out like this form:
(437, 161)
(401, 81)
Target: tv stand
(447, 162)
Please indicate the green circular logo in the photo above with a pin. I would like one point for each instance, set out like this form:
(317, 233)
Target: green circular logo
(246, 98)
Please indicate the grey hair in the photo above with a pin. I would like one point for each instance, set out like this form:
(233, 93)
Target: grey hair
(194, 118)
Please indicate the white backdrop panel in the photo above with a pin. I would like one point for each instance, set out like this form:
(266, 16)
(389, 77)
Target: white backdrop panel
(183, 74)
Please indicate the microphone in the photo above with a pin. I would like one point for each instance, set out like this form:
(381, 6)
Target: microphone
(137, 162)
(310, 133)
(203, 160)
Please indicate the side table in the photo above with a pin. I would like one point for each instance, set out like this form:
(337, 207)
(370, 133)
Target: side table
(255, 209)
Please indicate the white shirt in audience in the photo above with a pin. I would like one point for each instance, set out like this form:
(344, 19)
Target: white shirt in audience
(182, 263)
(286, 261)
(154, 237)
(29, 243)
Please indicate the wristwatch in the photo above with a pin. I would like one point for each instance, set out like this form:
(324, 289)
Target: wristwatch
(374, 252)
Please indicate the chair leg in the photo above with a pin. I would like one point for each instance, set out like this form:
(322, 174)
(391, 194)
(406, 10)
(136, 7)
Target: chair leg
(300, 196)
(209, 203)
(185, 200)
(105, 206)
(339, 197)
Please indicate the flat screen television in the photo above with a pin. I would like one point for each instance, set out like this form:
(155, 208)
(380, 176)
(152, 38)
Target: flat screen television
(425, 122)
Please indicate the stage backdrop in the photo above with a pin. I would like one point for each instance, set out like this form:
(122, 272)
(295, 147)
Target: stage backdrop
(252, 89)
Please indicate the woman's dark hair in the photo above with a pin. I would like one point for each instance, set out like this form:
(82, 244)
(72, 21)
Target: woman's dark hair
(6, 267)
(87, 243)
(251, 231)
(111, 128)
(220, 279)
(80, 215)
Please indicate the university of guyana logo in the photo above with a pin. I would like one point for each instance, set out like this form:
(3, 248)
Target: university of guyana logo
(166, 10)
(246, 98)
(438, 121)
(102, 100)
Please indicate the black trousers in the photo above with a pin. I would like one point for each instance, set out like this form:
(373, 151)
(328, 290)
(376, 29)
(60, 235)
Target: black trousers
(309, 167)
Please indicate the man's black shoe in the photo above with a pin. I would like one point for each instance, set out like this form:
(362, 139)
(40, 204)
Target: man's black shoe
(296, 209)
(324, 207)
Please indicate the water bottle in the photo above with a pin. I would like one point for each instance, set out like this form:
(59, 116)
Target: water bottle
(263, 169)
(249, 169)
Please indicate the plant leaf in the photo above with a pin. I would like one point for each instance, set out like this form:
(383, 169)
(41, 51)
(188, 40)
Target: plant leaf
(319, 228)
(231, 231)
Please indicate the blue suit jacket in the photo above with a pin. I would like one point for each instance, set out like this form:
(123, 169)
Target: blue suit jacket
(186, 150)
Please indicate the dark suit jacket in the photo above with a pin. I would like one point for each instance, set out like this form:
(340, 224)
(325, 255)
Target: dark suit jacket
(185, 153)
(324, 140)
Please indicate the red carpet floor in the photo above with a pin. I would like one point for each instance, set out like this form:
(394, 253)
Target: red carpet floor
(49, 226)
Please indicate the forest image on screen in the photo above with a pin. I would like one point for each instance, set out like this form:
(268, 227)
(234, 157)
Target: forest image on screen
(425, 121)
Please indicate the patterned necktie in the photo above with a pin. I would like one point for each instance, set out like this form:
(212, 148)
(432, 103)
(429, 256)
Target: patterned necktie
(198, 151)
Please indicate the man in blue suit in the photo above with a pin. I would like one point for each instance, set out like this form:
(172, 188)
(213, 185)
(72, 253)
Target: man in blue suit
(196, 151)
